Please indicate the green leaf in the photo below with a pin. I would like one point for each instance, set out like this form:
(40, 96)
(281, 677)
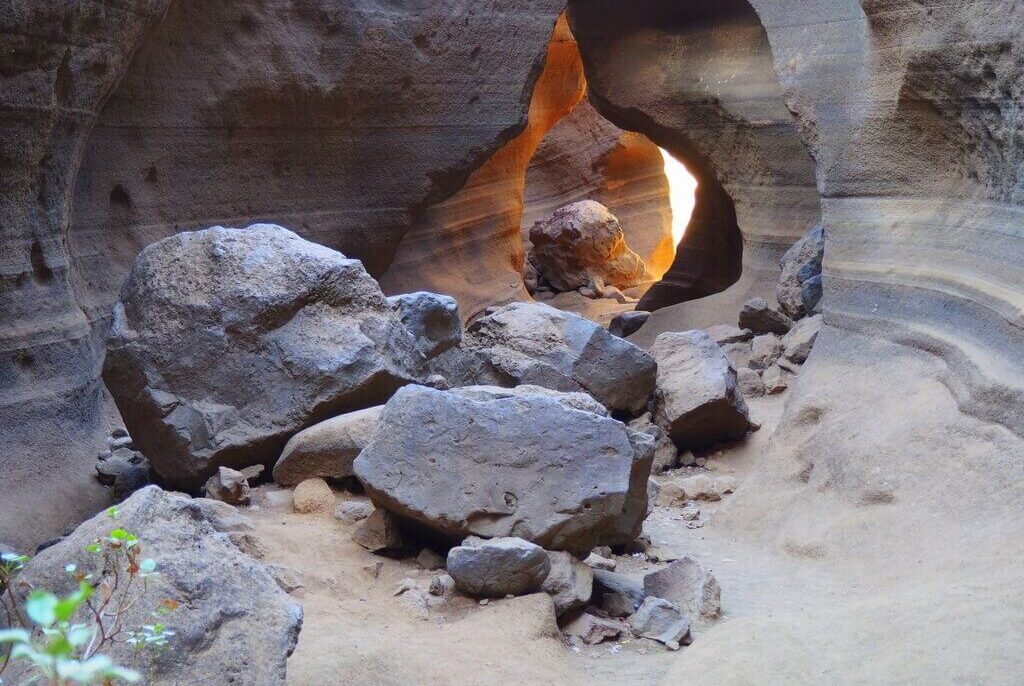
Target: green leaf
(41, 607)
(59, 646)
(14, 636)
(67, 607)
(94, 548)
(118, 535)
(113, 512)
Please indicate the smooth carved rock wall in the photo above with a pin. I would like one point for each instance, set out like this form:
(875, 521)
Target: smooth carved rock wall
(342, 121)
(469, 244)
(698, 79)
(586, 157)
(58, 63)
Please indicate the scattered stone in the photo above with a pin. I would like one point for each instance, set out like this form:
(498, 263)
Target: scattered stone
(228, 486)
(220, 589)
(690, 513)
(628, 323)
(689, 586)
(617, 604)
(498, 567)
(660, 620)
(581, 241)
(655, 554)
(738, 354)
(252, 472)
(616, 582)
(800, 339)
(700, 487)
(726, 484)
(288, 579)
(379, 532)
(373, 569)
(594, 289)
(801, 263)
(123, 470)
(353, 511)
(404, 586)
(774, 380)
(442, 585)
(532, 343)
(787, 366)
(485, 601)
(276, 330)
(766, 349)
(120, 442)
(595, 561)
(429, 560)
(749, 382)
(432, 319)
(616, 294)
(493, 462)
(326, 450)
(758, 316)
(570, 583)
(696, 401)
(594, 630)
(312, 495)
(687, 459)
(666, 455)
(811, 293)
(723, 334)
(119, 432)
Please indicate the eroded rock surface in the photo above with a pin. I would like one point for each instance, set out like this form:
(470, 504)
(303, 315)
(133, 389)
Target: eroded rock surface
(228, 341)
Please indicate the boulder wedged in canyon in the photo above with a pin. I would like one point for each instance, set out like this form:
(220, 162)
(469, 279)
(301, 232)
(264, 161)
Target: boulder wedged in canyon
(232, 623)
(581, 242)
(532, 343)
(800, 264)
(586, 157)
(225, 342)
(493, 462)
(326, 450)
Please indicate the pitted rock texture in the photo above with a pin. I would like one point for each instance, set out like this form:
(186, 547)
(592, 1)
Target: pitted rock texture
(492, 462)
(698, 79)
(233, 624)
(581, 242)
(532, 343)
(586, 157)
(228, 341)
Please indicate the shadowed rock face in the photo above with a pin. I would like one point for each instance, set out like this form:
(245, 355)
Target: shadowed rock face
(698, 79)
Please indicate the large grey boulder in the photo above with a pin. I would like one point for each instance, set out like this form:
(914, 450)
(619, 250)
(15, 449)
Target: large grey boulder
(800, 264)
(233, 623)
(498, 567)
(496, 462)
(432, 319)
(532, 343)
(688, 585)
(327, 449)
(760, 317)
(697, 401)
(581, 242)
(225, 342)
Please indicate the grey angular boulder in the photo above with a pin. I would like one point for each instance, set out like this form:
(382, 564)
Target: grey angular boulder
(327, 449)
(760, 317)
(498, 567)
(532, 343)
(570, 583)
(225, 342)
(811, 293)
(378, 532)
(630, 587)
(581, 242)
(228, 486)
(431, 318)
(628, 323)
(689, 586)
(800, 264)
(233, 623)
(797, 344)
(697, 402)
(496, 462)
(660, 620)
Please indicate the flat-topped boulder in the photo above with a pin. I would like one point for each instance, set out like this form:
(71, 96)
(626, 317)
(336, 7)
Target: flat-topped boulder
(226, 342)
(496, 462)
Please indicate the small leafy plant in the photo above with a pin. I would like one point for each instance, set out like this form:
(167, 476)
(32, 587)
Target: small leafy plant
(60, 640)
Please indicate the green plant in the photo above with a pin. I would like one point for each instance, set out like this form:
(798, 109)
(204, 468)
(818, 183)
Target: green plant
(59, 640)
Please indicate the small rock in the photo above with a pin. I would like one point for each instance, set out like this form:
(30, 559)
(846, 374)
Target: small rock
(595, 561)
(617, 604)
(660, 620)
(378, 532)
(698, 487)
(798, 342)
(570, 583)
(120, 442)
(656, 554)
(119, 432)
(594, 630)
(765, 350)
(373, 570)
(442, 585)
(787, 366)
(312, 495)
(616, 294)
(429, 560)
(758, 316)
(627, 323)
(327, 449)
(603, 551)
(689, 586)
(666, 456)
(749, 382)
(723, 334)
(726, 484)
(228, 486)
(287, 578)
(774, 380)
(687, 459)
(353, 511)
(432, 319)
(497, 567)
(404, 586)
(653, 491)
(738, 354)
(690, 513)
(124, 470)
(615, 582)
(485, 601)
